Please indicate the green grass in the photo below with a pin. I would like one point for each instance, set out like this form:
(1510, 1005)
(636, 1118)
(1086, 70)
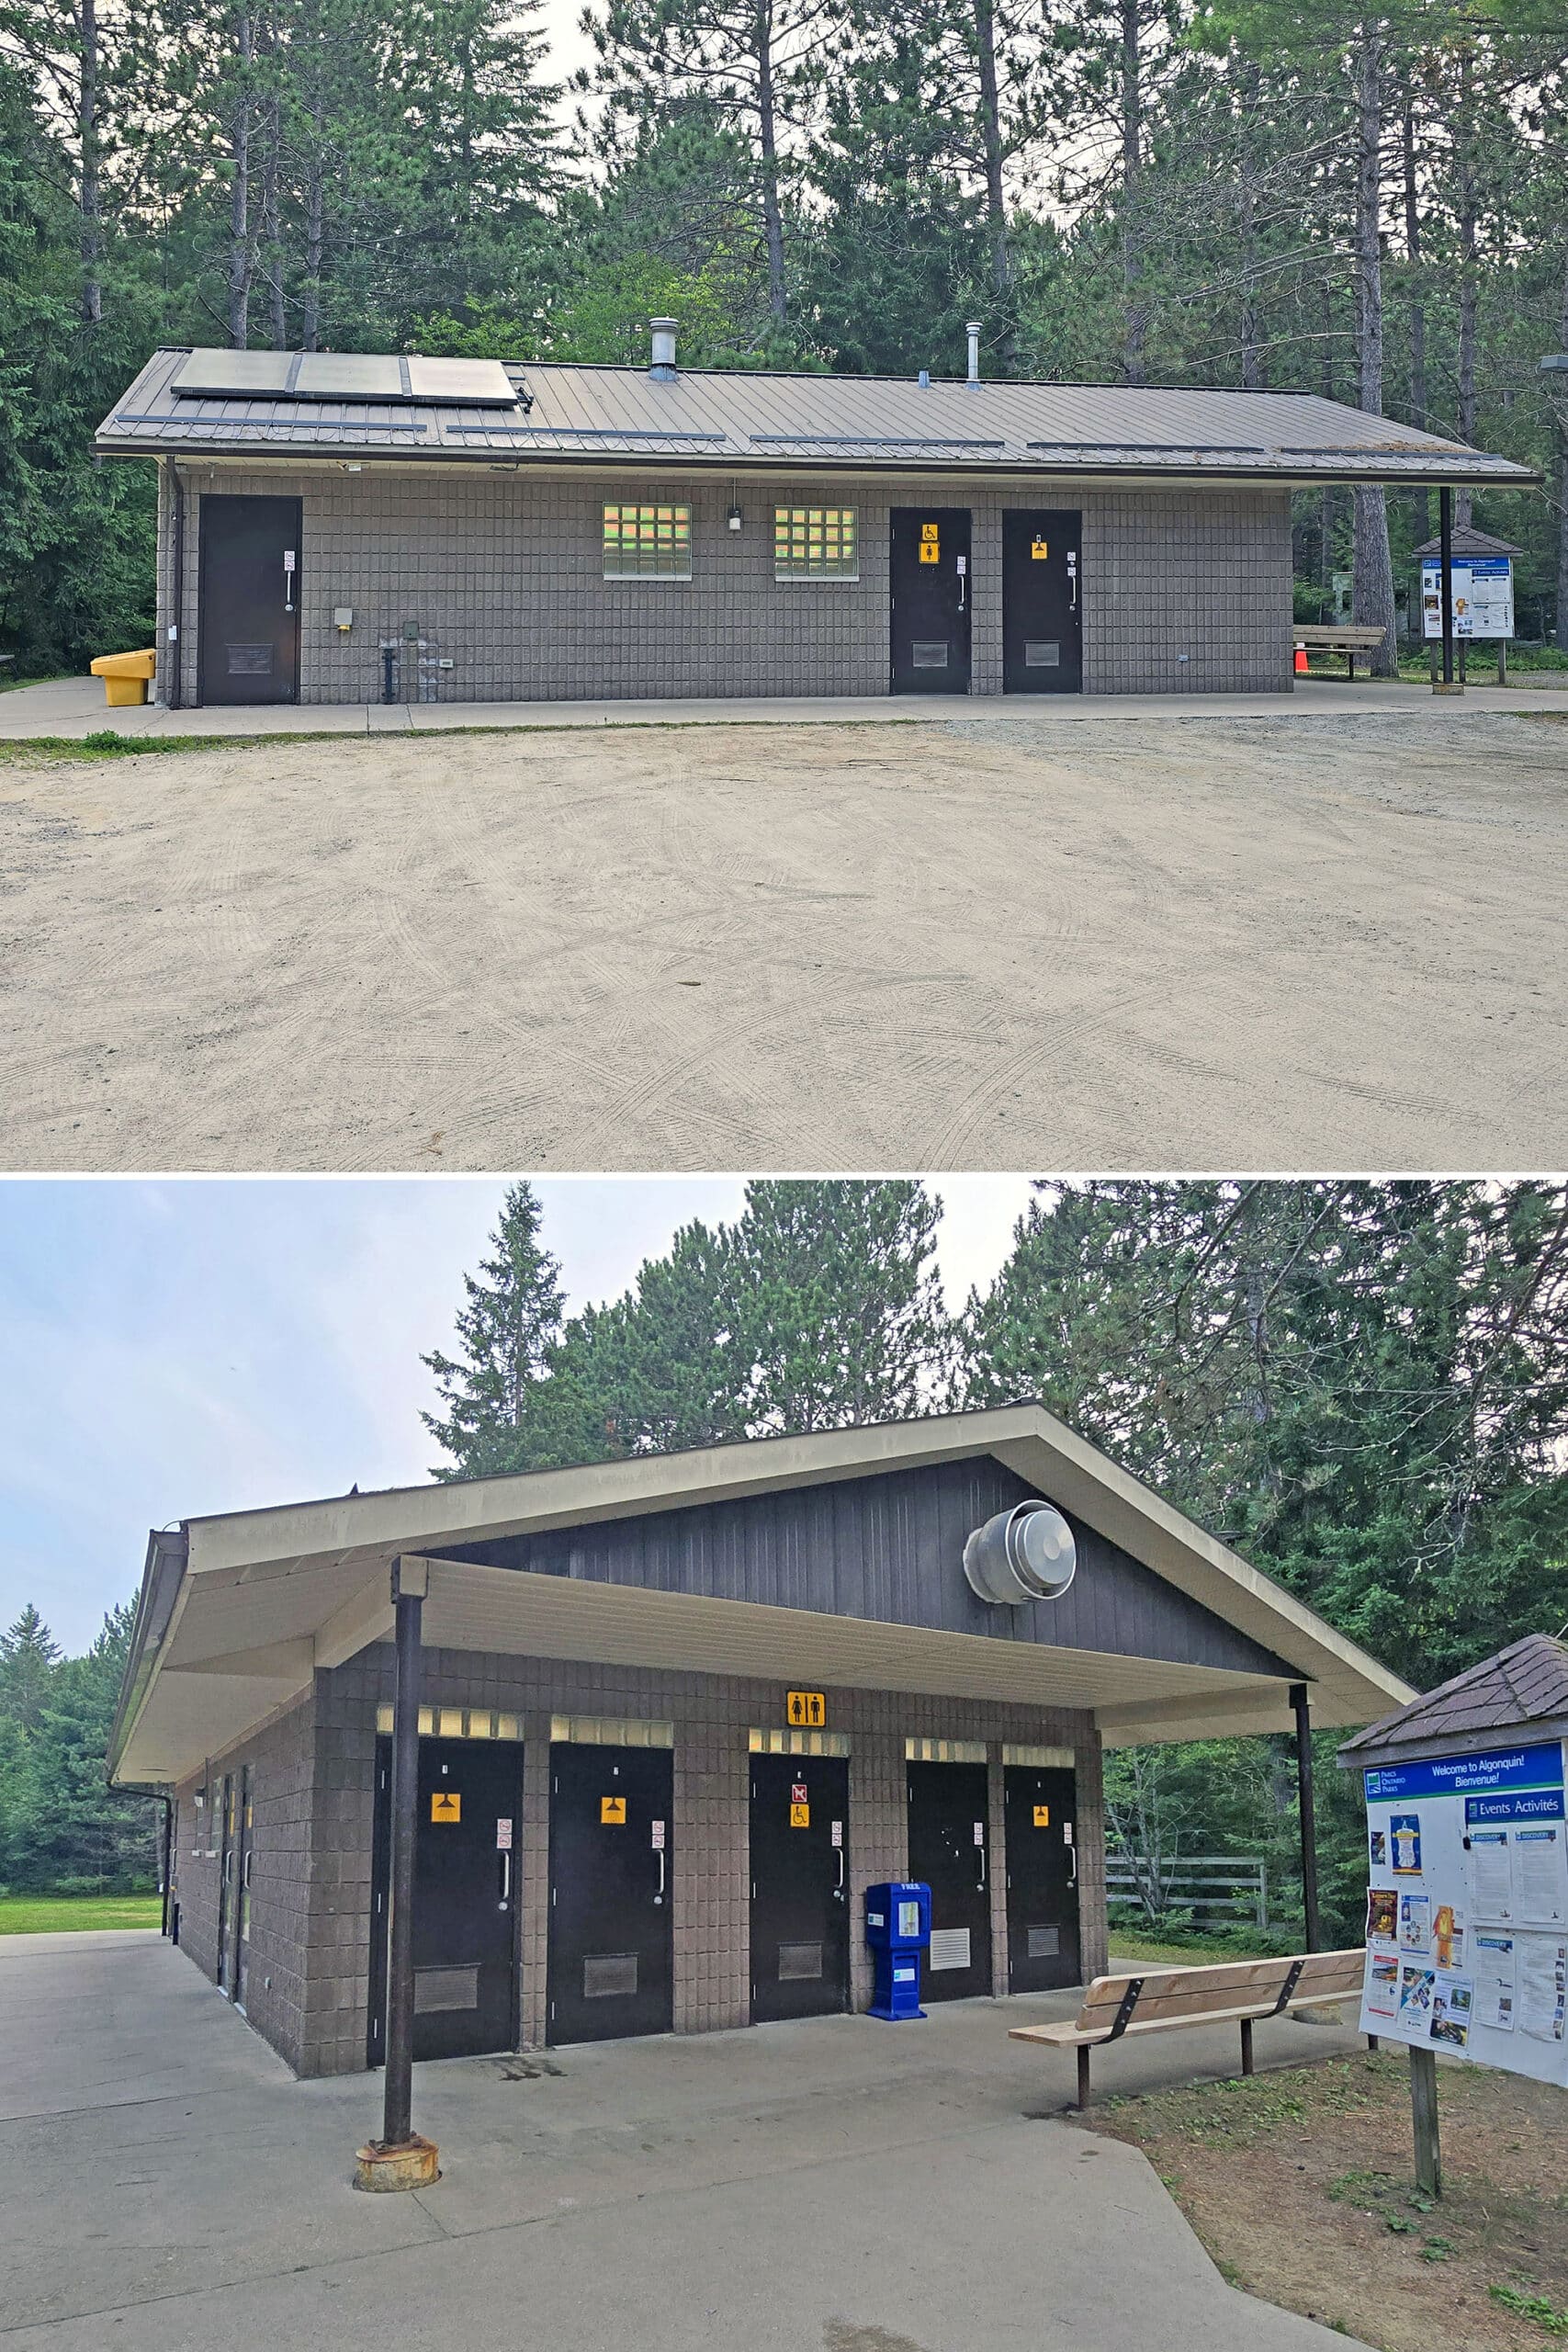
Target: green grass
(1184, 1951)
(43, 1915)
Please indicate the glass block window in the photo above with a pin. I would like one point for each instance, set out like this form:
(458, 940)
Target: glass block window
(815, 543)
(647, 542)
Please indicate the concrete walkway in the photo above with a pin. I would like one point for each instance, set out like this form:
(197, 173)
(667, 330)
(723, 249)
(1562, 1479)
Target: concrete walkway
(73, 707)
(837, 2186)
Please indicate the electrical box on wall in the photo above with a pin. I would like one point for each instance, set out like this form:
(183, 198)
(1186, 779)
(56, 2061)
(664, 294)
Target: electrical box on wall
(343, 618)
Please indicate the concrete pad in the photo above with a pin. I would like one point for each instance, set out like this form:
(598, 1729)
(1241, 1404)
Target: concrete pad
(74, 707)
(836, 2183)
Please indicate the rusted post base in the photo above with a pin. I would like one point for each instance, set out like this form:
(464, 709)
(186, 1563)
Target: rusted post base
(414, 2163)
(1448, 685)
(1083, 2073)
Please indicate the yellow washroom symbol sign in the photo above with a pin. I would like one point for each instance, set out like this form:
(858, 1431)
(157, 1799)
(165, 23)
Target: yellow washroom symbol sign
(612, 1810)
(800, 1816)
(1042, 1817)
(1039, 549)
(806, 1710)
(445, 1804)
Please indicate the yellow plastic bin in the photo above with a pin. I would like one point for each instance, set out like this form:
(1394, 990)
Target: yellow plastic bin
(125, 677)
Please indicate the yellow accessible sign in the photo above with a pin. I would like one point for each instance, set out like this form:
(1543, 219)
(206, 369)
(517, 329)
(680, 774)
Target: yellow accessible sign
(807, 1709)
(445, 1804)
(800, 1816)
(612, 1810)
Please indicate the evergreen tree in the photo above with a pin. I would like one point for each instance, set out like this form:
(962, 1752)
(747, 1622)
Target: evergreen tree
(28, 1658)
(507, 1329)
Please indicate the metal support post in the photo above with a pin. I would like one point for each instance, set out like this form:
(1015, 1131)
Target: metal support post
(1308, 1815)
(1446, 589)
(401, 2159)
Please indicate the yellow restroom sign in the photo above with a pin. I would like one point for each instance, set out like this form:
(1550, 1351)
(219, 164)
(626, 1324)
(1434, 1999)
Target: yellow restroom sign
(1039, 549)
(800, 1816)
(806, 1708)
(1042, 1817)
(931, 543)
(445, 1804)
(614, 1811)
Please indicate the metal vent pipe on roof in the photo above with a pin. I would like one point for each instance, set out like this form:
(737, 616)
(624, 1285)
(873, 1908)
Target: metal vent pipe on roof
(972, 330)
(1026, 1553)
(663, 366)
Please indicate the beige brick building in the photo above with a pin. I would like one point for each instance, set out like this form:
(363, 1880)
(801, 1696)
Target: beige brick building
(677, 1715)
(357, 529)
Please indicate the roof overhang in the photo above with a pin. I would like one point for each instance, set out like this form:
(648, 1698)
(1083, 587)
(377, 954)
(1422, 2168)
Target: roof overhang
(263, 1599)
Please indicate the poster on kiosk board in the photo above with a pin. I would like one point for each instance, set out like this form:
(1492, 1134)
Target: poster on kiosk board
(1467, 1907)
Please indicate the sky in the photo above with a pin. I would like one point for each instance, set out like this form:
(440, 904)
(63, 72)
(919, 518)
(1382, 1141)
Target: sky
(184, 1346)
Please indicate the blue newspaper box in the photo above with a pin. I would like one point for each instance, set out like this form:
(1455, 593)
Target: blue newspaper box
(899, 1929)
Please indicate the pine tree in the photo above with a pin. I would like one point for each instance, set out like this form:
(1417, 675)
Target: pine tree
(507, 1330)
(30, 1657)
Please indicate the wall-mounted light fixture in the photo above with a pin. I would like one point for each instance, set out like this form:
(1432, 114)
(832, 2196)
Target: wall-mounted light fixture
(352, 468)
(735, 518)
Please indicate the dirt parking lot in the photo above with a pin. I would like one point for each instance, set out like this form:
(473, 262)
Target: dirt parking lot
(1309, 942)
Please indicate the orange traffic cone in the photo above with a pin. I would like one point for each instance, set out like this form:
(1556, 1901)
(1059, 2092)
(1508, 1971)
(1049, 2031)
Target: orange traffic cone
(1300, 660)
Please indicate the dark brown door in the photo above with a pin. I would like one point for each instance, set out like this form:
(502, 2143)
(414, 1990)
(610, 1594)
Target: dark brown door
(950, 1849)
(800, 1869)
(1040, 1805)
(466, 1897)
(1042, 603)
(930, 589)
(611, 1946)
(250, 600)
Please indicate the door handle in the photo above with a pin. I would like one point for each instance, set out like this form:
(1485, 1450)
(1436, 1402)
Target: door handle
(288, 582)
(981, 1850)
(660, 1896)
(1073, 1858)
(838, 1890)
(505, 1881)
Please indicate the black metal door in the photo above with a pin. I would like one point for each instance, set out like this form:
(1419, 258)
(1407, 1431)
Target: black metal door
(250, 600)
(950, 1848)
(930, 588)
(242, 1858)
(1039, 1807)
(1042, 604)
(800, 1905)
(226, 1889)
(610, 1865)
(465, 1897)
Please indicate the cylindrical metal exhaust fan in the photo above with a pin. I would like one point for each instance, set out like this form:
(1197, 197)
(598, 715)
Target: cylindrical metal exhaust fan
(1024, 1554)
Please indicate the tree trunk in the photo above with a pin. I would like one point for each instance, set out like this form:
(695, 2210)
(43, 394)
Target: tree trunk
(315, 205)
(240, 250)
(1372, 592)
(1251, 328)
(767, 125)
(1464, 161)
(1563, 487)
(272, 236)
(1420, 500)
(995, 192)
(92, 242)
(1135, 311)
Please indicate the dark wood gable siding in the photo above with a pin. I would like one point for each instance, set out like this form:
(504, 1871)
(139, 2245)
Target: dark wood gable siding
(890, 1549)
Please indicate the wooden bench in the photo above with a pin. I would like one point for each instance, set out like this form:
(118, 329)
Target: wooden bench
(1234, 1992)
(1349, 638)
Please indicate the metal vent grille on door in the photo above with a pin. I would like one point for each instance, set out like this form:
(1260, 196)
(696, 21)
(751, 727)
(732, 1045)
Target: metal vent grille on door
(608, 1973)
(1041, 653)
(797, 1963)
(929, 653)
(950, 1948)
(444, 1988)
(249, 660)
(1045, 1943)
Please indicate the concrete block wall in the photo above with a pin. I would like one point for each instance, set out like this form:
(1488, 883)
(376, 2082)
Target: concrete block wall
(282, 1969)
(709, 1882)
(503, 573)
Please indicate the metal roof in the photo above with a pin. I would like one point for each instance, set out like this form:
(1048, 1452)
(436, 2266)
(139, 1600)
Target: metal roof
(727, 419)
(1465, 540)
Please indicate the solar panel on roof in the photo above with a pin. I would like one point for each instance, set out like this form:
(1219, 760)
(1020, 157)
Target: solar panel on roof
(469, 383)
(232, 372)
(347, 376)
